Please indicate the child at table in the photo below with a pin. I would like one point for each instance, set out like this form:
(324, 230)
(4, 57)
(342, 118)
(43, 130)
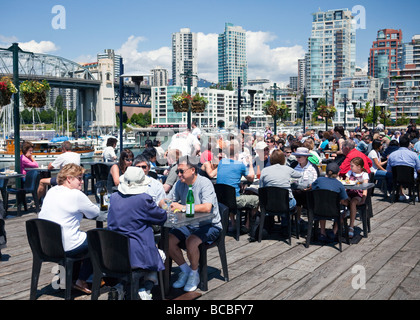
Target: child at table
(358, 174)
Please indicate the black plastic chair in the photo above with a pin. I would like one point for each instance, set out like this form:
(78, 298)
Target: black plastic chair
(100, 173)
(220, 244)
(366, 212)
(324, 205)
(275, 201)
(46, 243)
(226, 195)
(110, 254)
(30, 186)
(403, 176)
(153, 175)
(3, 189)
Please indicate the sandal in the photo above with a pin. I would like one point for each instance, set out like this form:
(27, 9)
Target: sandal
(351, 232)
(82, 289)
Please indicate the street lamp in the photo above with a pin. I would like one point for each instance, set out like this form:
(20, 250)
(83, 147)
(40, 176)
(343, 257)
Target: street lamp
(189, 76)
(275, 100)
(14, 48)
(304, 110)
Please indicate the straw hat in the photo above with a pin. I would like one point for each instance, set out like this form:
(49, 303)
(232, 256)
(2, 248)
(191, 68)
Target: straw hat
(133, 181)
(301, 151)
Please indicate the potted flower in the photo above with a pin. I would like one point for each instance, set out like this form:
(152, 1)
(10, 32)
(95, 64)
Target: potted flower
(181, 102)
(326, 111)
(7, 88)
(270, 107)
(34, 93)
(385, 114)
(198, 104)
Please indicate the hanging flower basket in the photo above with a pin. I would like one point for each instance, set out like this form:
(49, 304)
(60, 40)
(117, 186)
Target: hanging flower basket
(181, 102)
(34, 93)
(7, 88)
(327, 111)
(385, 114)
(360, 113)
(270, 108)
(199, 104)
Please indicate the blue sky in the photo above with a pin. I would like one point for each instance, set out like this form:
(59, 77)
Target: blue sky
(140, 31)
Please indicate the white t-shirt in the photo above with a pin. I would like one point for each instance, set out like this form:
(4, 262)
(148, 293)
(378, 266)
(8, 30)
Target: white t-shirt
(65, 158)
(109, 154)
(185, 142)
(373, 154)
(66, 207)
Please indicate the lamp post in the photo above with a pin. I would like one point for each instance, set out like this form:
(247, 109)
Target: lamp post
(326, 104)
(239, 103)
(275, 100)
(345, 111)
(14, 48)
(189, 75)
(374, 114)
(304, 110)
(354, 103)
(121, 104)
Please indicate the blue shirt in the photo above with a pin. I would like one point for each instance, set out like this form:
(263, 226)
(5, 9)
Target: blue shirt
(403, 157)
(230, 172)
(325, 183)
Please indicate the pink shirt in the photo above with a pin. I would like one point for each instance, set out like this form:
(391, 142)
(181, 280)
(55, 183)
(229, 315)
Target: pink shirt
(25, 162)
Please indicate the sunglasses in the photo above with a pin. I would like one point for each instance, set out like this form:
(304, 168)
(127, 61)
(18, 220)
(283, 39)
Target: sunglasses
(80, 178)
(143, 167)
(129, 159)
(181, 171)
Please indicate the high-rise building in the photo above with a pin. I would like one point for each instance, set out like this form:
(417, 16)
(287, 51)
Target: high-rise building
(184, 57)
(110, 54)
(332, 50)
(232, 63)
(159, 77)
(301, 74)
(383, 55)
(409, 53)
(293, 83)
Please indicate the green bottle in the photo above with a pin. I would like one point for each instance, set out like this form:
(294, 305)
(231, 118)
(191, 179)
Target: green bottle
(190, 203)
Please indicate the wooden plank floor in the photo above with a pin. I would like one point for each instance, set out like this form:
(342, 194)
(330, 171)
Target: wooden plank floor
(272, 270)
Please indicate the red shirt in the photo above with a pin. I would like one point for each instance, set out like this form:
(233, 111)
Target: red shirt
(345, 166)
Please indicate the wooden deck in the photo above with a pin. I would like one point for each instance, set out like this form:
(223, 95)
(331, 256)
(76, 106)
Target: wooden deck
(272, 270)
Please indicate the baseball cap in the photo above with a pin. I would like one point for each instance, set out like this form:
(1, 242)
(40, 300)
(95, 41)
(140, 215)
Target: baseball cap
(333, 167)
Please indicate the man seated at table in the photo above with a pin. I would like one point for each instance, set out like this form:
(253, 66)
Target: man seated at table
(402, 157)
(67, 156)
(230, 171)
(330, 182)
(191, 236)
(350, 151)
(155, 187)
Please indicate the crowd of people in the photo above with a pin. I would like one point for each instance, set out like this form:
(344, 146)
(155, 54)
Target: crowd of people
(193, 159)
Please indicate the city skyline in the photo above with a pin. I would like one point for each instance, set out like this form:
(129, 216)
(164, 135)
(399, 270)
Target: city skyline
(140, 31)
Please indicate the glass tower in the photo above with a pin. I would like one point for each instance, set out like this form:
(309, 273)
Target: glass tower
(232, 61)
(332, 50)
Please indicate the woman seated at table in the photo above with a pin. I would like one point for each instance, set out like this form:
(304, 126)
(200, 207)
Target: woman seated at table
(378, 166)
(330, 182)
(26, 159)
(66, 205)
(133, 212)
(118, 169)
(309, 175)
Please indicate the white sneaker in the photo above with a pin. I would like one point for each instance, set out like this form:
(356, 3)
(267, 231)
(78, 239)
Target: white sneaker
(403, 197)
(182, 280)
(144, 295)
(192, 282)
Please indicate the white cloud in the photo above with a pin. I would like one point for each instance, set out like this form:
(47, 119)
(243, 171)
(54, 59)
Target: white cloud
(275, 64)
(143, 61)
(38, 47)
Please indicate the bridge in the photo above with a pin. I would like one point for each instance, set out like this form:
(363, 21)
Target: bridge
(96, 101)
